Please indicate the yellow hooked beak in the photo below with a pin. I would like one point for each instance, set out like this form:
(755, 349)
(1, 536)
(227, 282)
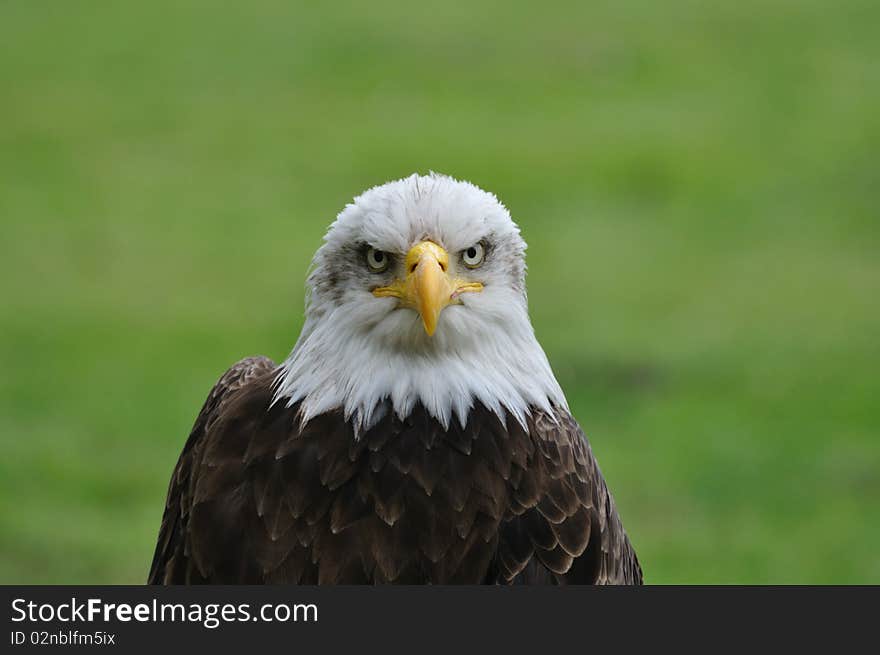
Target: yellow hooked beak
(428, 287)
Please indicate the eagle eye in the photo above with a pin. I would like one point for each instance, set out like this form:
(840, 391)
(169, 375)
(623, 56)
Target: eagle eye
(377, 260)
(473, 256)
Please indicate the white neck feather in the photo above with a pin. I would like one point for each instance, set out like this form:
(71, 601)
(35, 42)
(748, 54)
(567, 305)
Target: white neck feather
(334, 366)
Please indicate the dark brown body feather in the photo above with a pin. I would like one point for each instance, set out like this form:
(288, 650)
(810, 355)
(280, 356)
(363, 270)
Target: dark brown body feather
(255, 499)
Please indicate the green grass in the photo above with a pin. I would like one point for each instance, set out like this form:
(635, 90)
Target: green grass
(699, 187)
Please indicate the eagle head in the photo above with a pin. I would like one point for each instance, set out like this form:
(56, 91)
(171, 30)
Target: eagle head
(417, 297)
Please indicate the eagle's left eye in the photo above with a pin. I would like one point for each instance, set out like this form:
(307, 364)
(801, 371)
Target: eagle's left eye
(377, 260)
(473, 256)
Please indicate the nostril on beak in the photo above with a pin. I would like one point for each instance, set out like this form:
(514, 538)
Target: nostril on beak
(415, 265)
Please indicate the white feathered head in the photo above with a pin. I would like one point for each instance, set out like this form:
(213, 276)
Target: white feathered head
(418, 296)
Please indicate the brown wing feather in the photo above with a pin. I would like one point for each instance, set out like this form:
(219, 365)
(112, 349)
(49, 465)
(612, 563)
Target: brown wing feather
(172, 560)
(570, 524)
(256, 498)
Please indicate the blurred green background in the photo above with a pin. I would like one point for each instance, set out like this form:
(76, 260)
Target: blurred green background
(699, 187)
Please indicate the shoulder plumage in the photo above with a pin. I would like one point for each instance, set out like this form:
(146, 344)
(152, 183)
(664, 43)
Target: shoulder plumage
(565, 517)
(170, 562)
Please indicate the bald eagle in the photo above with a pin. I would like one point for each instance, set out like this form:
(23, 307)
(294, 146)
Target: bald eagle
(415, 434)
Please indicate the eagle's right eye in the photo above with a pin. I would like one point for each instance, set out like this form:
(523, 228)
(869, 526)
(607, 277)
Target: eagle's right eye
(377, 260)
